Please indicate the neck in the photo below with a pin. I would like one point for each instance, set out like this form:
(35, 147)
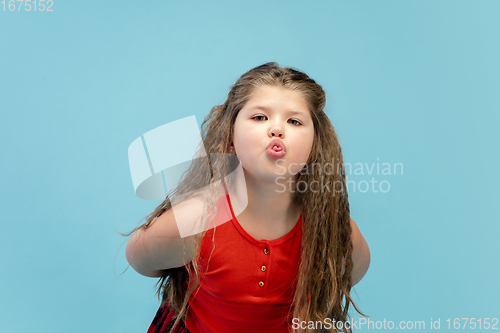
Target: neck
(268, 201)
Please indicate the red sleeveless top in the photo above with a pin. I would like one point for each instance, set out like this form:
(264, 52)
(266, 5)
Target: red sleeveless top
(249, 284)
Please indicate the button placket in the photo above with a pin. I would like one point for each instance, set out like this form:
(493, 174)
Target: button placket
(263, 269)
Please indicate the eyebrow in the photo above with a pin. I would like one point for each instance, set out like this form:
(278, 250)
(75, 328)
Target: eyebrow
(265, 108)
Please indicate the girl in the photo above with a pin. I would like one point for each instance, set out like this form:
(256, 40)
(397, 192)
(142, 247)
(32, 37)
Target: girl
(289, 254)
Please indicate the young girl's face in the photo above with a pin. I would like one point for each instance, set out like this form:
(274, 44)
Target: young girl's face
(273, 113)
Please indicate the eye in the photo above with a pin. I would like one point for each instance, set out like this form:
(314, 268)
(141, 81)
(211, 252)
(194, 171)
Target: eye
(258, 117)
(298, 122)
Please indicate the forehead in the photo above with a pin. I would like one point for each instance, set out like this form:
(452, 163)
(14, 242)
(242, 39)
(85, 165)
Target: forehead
(269, 98)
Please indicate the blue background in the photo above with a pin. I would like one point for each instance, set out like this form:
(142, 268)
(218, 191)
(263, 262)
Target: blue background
(411, 82)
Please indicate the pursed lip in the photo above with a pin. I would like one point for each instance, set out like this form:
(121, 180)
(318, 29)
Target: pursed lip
(277, 142)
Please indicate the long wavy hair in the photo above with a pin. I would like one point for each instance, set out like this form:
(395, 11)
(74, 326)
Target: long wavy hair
(324, 279)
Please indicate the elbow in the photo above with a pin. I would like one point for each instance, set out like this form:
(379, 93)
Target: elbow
(361, 267)
(129, 250)
(133, 254)
(130, 255)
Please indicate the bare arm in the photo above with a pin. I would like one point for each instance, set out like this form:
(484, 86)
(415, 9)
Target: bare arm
(360, 255)
(160, 246)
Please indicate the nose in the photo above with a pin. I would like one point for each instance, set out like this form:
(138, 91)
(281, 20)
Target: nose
(276, 132)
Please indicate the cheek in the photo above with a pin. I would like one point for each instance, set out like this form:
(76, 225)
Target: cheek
(244, 134)
(236, 135)
(305, 147)
(301, 156)
(243, 140)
